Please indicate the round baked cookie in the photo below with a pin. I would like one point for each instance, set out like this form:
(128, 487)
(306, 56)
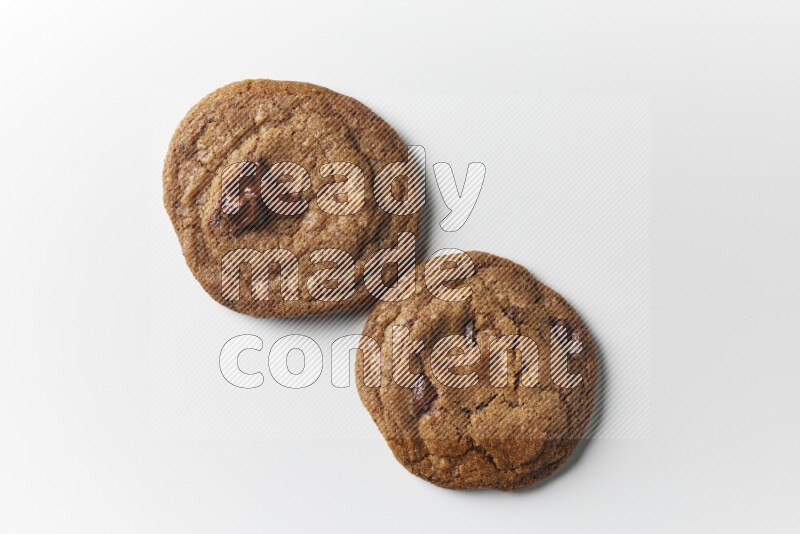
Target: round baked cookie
(256, 144)
(511, 426)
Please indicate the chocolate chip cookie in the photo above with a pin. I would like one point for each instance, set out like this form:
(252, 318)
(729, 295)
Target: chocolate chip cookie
(280, 192)
(484, 378)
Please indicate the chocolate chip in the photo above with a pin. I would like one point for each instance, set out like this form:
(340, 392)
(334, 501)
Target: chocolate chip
(469, 331)
(250, 213)
(423, 395)
(575, 345)
(512, 313)
(569, 337)
(181, 147)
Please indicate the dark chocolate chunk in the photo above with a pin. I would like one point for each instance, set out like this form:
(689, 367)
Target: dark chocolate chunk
(423, 396)
(513, 313)
(249, 211)
(566, 335)
(469, 332)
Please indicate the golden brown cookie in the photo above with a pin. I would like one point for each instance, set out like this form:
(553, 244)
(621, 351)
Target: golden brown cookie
(499, 392)
(266, 178)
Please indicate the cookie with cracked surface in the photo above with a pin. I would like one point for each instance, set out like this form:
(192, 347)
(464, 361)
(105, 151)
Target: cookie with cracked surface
(493, 391)
(289, 168)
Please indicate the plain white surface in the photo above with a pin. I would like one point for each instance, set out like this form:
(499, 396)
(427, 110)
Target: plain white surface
(82, 86)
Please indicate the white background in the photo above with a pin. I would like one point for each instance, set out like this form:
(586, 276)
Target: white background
(88, 92)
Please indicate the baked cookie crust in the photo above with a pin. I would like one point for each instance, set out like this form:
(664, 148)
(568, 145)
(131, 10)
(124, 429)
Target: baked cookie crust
(266, 122)
(483, 436)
